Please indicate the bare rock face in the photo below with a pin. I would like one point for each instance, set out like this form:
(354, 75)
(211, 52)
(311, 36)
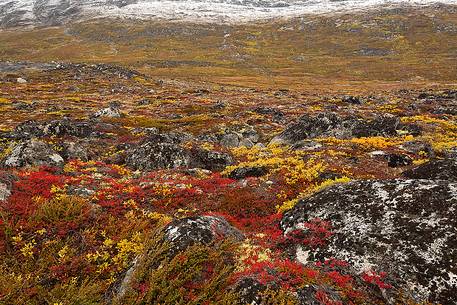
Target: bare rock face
(333, 125)
(406, 228)
(183, 233)
(436, 169)
(32, 153)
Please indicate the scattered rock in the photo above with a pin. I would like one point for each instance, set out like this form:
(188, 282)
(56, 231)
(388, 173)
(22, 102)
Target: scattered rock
(403, 227)
(19, 105)
(312, 126)
(384, 125)
(32, 153)
(21, 80)
(277, 115)
(246, 143)
(219, 105)
(67, 127)
(435, 170)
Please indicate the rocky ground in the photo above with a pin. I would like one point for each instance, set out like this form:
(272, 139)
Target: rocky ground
(226, 177)
(121, 188)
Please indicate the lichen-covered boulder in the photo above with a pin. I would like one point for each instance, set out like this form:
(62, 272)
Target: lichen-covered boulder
(32, 153)
(167, 151)
(312, 126)
(209, 159)
(333, 125)
(406, 228)
(436, 170)
(6, 185)
(151, 155)
(64, 127)
(183, 233)
(67, 127)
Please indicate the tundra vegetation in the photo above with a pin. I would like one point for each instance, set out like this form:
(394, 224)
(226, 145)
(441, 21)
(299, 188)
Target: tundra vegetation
(161, 163)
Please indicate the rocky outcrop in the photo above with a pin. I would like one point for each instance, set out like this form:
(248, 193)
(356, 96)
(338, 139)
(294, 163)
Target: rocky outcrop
(32, 153)
(403, 227)
(59, 128)
(211, 160)
(167, 151)
(436, 170)
(333, 125)
(183, 233)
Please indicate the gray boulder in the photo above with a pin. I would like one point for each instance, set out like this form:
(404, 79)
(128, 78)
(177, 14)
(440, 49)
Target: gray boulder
(406, 228)
(64, 127)
(168, 151)
(334, 125)
(32, 153)
(183, 233)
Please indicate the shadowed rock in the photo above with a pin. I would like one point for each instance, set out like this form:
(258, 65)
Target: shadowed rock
(436, 169)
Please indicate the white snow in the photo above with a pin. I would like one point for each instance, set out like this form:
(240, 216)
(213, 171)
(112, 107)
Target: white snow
(218, 11)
